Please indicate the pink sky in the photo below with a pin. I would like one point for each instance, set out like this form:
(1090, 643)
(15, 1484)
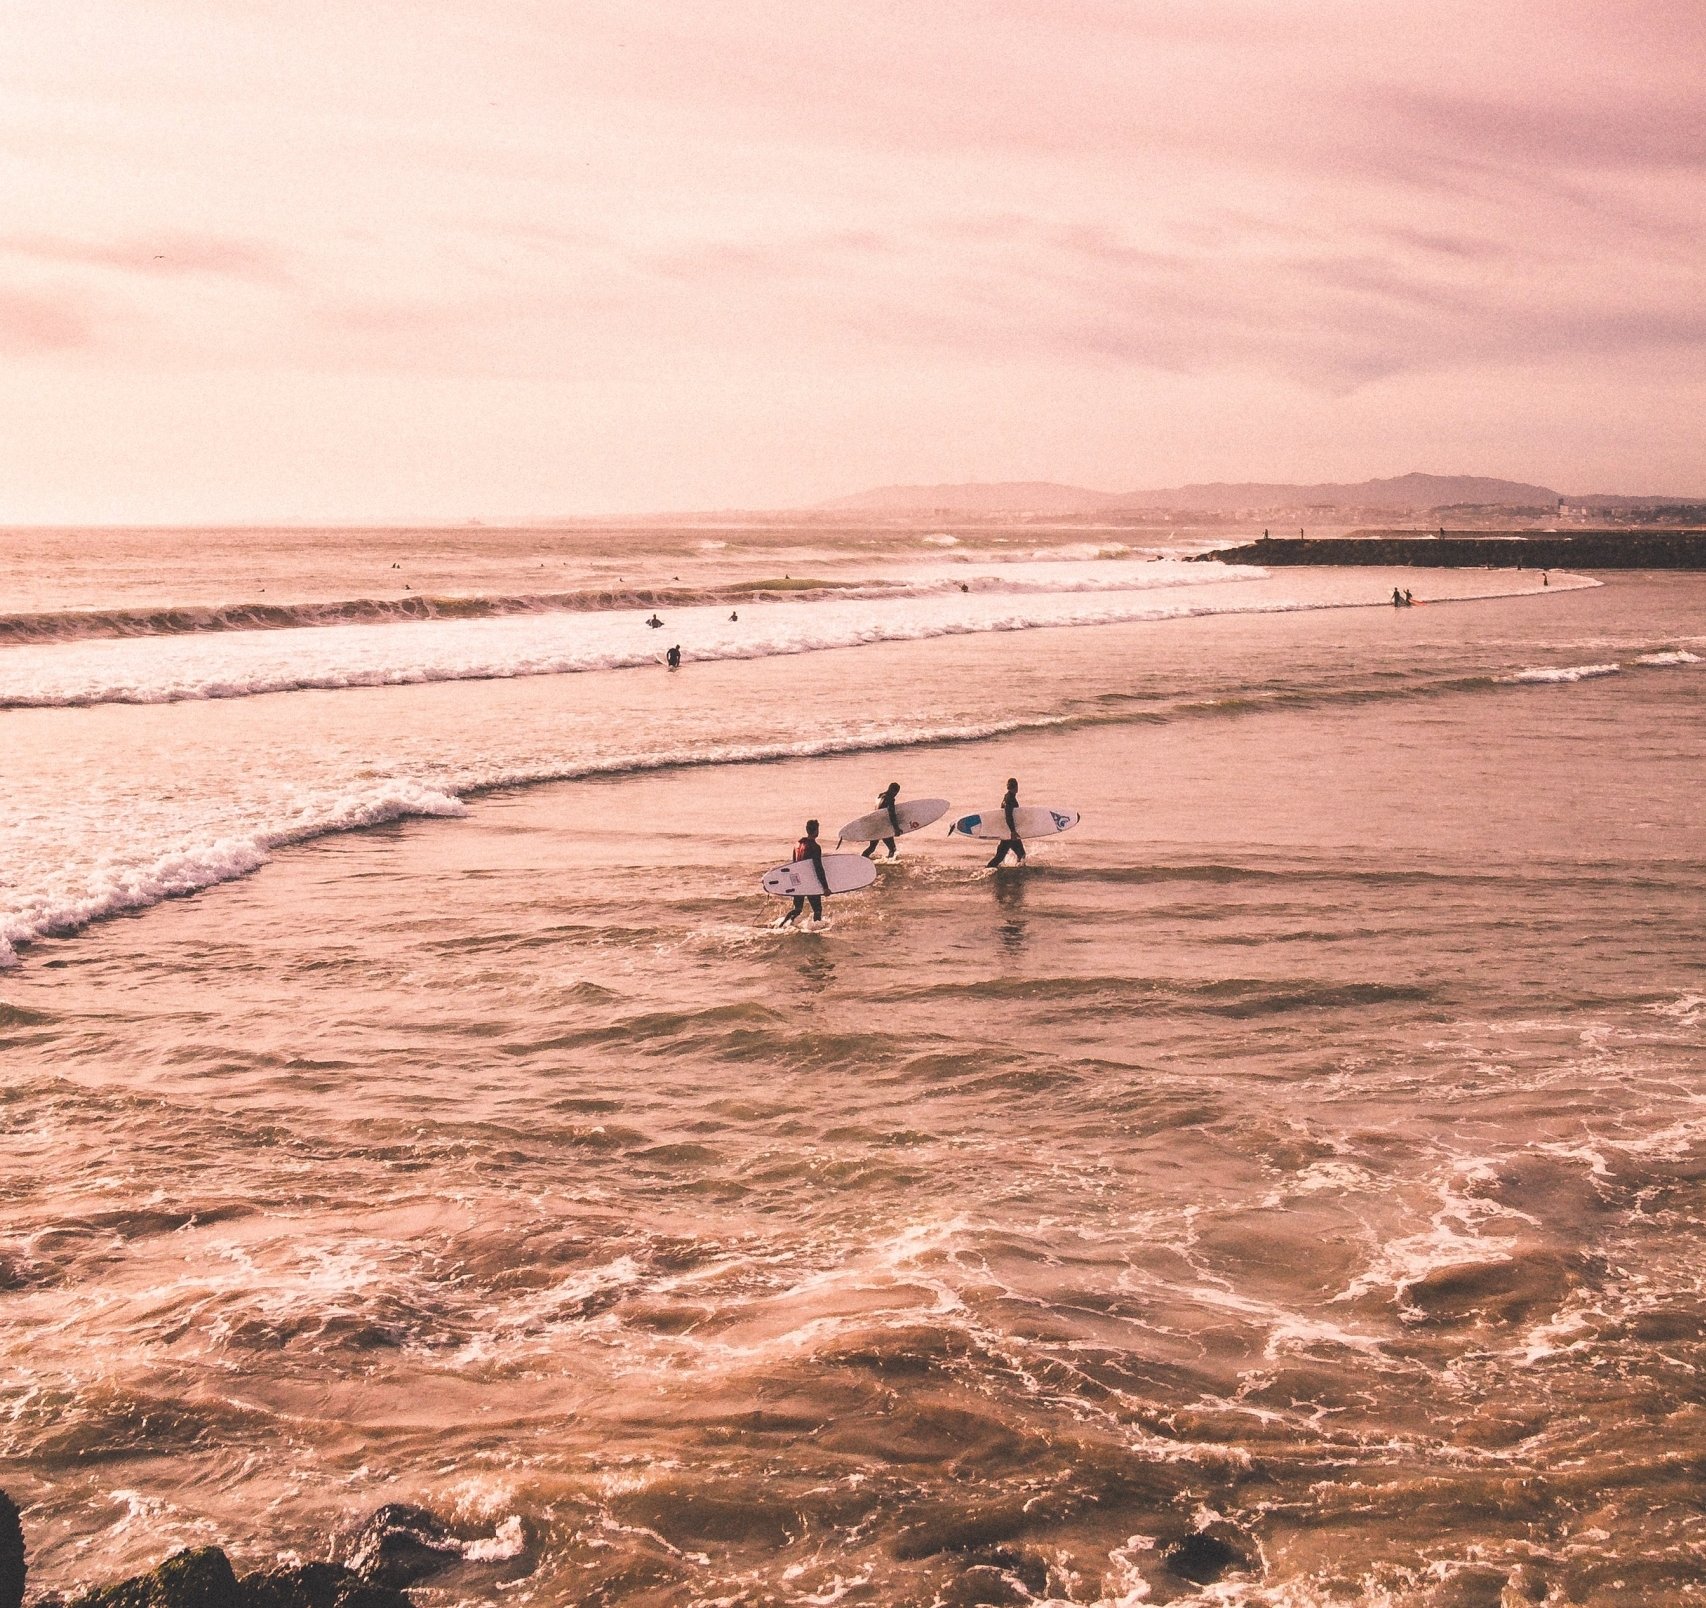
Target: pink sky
(374, 259)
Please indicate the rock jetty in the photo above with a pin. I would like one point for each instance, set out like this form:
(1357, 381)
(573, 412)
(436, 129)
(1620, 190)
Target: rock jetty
(1576, 550)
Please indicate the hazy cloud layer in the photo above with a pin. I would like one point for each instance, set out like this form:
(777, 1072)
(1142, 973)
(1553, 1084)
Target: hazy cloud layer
(779, 250)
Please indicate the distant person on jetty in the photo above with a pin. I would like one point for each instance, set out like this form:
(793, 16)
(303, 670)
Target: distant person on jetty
(1409, 602)
(1545, 577)
(885, 801)
(808, 848)
(1397, 598)
(1012, 842)
(673, 657)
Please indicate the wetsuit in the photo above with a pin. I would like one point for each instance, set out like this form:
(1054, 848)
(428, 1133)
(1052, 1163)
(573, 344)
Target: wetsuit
(885, 801)
(808, 848)
(1012, 843)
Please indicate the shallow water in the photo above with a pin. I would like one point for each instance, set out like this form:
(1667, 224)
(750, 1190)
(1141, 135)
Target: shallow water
(1314, 1138)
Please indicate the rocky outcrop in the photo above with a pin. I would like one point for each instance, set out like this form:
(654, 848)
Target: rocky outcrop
(11, 1554)
(401, 1544)
(317, 1585)
(397, 1547)
(200, 1577)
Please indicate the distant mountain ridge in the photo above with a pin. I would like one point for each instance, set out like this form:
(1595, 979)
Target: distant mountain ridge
(1411, 491)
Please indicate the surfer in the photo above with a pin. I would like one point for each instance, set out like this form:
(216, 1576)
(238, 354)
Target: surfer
(673, 657)
(808, 848)
(1397, 598)
(1013, 842)
(885, 802)
(655, 623)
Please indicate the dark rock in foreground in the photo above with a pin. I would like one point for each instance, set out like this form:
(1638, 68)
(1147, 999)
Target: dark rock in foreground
(401, 1544)
(199, 1578)
(203, 1578)
(316, 1585)
(12, 1568)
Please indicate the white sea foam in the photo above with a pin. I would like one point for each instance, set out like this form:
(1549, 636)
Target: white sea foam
(171, 669)
(1674, 656)
(1574, 672)
(118, 885)
(149, 874)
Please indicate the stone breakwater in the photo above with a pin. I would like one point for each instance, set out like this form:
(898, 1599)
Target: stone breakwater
(398, 1547)
(1577, 550)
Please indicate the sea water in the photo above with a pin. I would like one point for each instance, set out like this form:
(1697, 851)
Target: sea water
(1306, 1152)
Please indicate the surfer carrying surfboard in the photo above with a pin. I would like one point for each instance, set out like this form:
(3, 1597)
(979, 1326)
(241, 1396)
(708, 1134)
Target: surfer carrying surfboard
(808, 848)
(885, 803)
(1012, 842)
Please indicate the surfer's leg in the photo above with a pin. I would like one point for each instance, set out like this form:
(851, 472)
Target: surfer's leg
(869, 849)
(1001, 851)
(794, 914)
(817, 906)
(888, 843)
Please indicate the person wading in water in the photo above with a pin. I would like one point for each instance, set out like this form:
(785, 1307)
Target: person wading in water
(808, 848)
(1012, 842)
(885, 801)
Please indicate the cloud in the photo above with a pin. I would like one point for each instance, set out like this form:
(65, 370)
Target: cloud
(166, 254)
(34, 324)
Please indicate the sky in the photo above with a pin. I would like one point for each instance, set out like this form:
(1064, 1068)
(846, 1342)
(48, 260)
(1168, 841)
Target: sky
(372, 260)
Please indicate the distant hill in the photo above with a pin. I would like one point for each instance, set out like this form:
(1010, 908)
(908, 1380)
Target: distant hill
(977, 497)
(1403, 492)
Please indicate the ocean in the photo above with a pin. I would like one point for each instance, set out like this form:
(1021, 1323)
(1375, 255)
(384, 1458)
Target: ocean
(1285, 1190)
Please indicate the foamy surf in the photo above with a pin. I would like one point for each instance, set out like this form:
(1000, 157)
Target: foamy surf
(1562, 673)
(1068, 569)
(173, 669)
(245, 664)
(150, 873)
(119, 885)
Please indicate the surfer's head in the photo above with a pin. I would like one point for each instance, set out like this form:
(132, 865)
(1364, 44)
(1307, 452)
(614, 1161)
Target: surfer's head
(892, 789)
(811, 828)
(1012, 784)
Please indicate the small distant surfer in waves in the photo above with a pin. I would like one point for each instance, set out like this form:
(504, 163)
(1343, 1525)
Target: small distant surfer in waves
(1012, 842)
(808, 848)
(673, 657)
(655, 623)
(885, 801)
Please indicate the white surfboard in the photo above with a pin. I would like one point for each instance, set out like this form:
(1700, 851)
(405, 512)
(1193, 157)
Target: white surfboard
(914, 813)
(1032, 820)
(847, 873)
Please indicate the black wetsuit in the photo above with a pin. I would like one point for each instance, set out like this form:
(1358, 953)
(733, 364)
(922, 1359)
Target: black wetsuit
(885, 801)
(1012, 843)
